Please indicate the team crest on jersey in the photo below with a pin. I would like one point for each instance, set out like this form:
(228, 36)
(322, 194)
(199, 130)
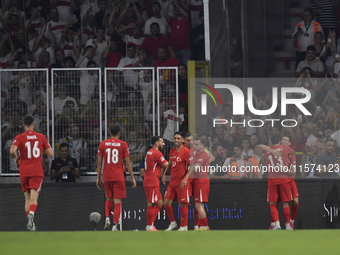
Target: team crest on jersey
(70, 163)
(178, 159)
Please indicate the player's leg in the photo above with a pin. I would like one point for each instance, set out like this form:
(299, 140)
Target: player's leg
(201, 193)
(155, 202)
(108, 188)
(183, 199)
(108, 210)
(119, 192)
(273, 195)
(27, 203)
(191, 187)
(285, 195)
(33, 203)
(295, 204)
(169, 196)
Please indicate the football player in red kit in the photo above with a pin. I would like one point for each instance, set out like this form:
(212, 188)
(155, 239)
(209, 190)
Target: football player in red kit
(114, 152)
(199, 168)
(31, 146)
(154, 162)
(179, 164)
(279, 170)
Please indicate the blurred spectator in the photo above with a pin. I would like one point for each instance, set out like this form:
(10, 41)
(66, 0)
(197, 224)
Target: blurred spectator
(85, 5)
(111, 56)
(326, 161)
(65, 8)
(246, 152)
(42, 6)
(100, 14)
(240, 135)
(23, 80)
(13, 123)
(40, 114)
(321, 48)
(156, 40)
(48, 45)
(89, 24)
(130, 76)
(137, 150)
(12, 22)
(198, 46)
(163, 59)
(131, 16)
(55, 25)
(136, 37)
(61, 99)
(217, 151)
(235, 165)
(14, 99)
(180, 31)
(88, 83)
(255, 161)
(196, 7)
(35, 22)
(219, 131)
(311, 61)
(77, 146)
(64, 168)
(304, 34)
(89, 54)
(309, 161)
(156, 18)
(68, 38)
(99, 43)
(12, 166)
(325, 12)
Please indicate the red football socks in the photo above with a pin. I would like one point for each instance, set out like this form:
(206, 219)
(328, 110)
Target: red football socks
(116, 213)
(295, 208)
(170, 212)
(286, 213)
(33, 208)
(184, 216)
(108, 208)
(150, 213)
(274, 213)
(203, 222)
(27, 213)
(197, 220)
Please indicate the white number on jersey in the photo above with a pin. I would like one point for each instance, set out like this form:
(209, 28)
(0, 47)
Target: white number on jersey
(36, 151)
(114, 156)
(280, 163)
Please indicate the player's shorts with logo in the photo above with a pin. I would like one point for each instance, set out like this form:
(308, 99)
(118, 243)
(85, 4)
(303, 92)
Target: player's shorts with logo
(31, 182)
(294, 190)
(153, 194)
(201, 192)
(279, 192)
(115, 189)
(177, 192)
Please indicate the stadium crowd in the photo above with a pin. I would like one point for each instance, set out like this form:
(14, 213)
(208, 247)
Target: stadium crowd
(74, 34)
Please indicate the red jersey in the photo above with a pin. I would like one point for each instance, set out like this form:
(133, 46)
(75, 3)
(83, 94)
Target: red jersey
(276, 174)
(153, 164)
(180, 31)
(31, 146)
(113, 59)
(151, 45)
(200, 174)
(179, 165)
(114, 151)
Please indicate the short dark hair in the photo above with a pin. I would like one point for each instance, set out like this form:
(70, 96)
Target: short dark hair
(154, 23)
(156, 3)
(215, 145)
(69, 59)
(238, 146)
(275, 139)
(257, 143)
(311, 47)
(286, 135)
(330, 140)
(162, 47)
(63, 145)
(255, 134)
(91, 62)
(114, 130)
(187, 134)
(201, 140)
(329, 125)
(155, 139)
(22, 63)
(100, 28)
(179, 133)
(28, 120)
(182, 64)
(131, 45)
(89, 46)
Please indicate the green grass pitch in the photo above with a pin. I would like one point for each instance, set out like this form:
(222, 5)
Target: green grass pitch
(191, 242)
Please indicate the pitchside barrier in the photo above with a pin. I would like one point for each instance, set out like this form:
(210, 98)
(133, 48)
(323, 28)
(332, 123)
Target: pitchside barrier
(232, 205)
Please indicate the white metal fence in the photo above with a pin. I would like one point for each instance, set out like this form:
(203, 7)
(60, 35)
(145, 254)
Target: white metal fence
(73, 106)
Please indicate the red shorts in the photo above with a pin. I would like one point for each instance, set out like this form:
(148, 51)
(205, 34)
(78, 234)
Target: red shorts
(153, 194)
(115, 189)
(190, 185)
(176, 192)
(294, 189)
(201, 192)
(280, 192)
(31, 182)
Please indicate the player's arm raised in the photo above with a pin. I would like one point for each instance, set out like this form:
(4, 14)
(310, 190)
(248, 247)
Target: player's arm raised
(129, 168)
(274, 152)
(99, 171)
(167, 169)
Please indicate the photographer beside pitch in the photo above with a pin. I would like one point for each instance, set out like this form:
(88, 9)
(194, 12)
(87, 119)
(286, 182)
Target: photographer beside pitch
(31, 146)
